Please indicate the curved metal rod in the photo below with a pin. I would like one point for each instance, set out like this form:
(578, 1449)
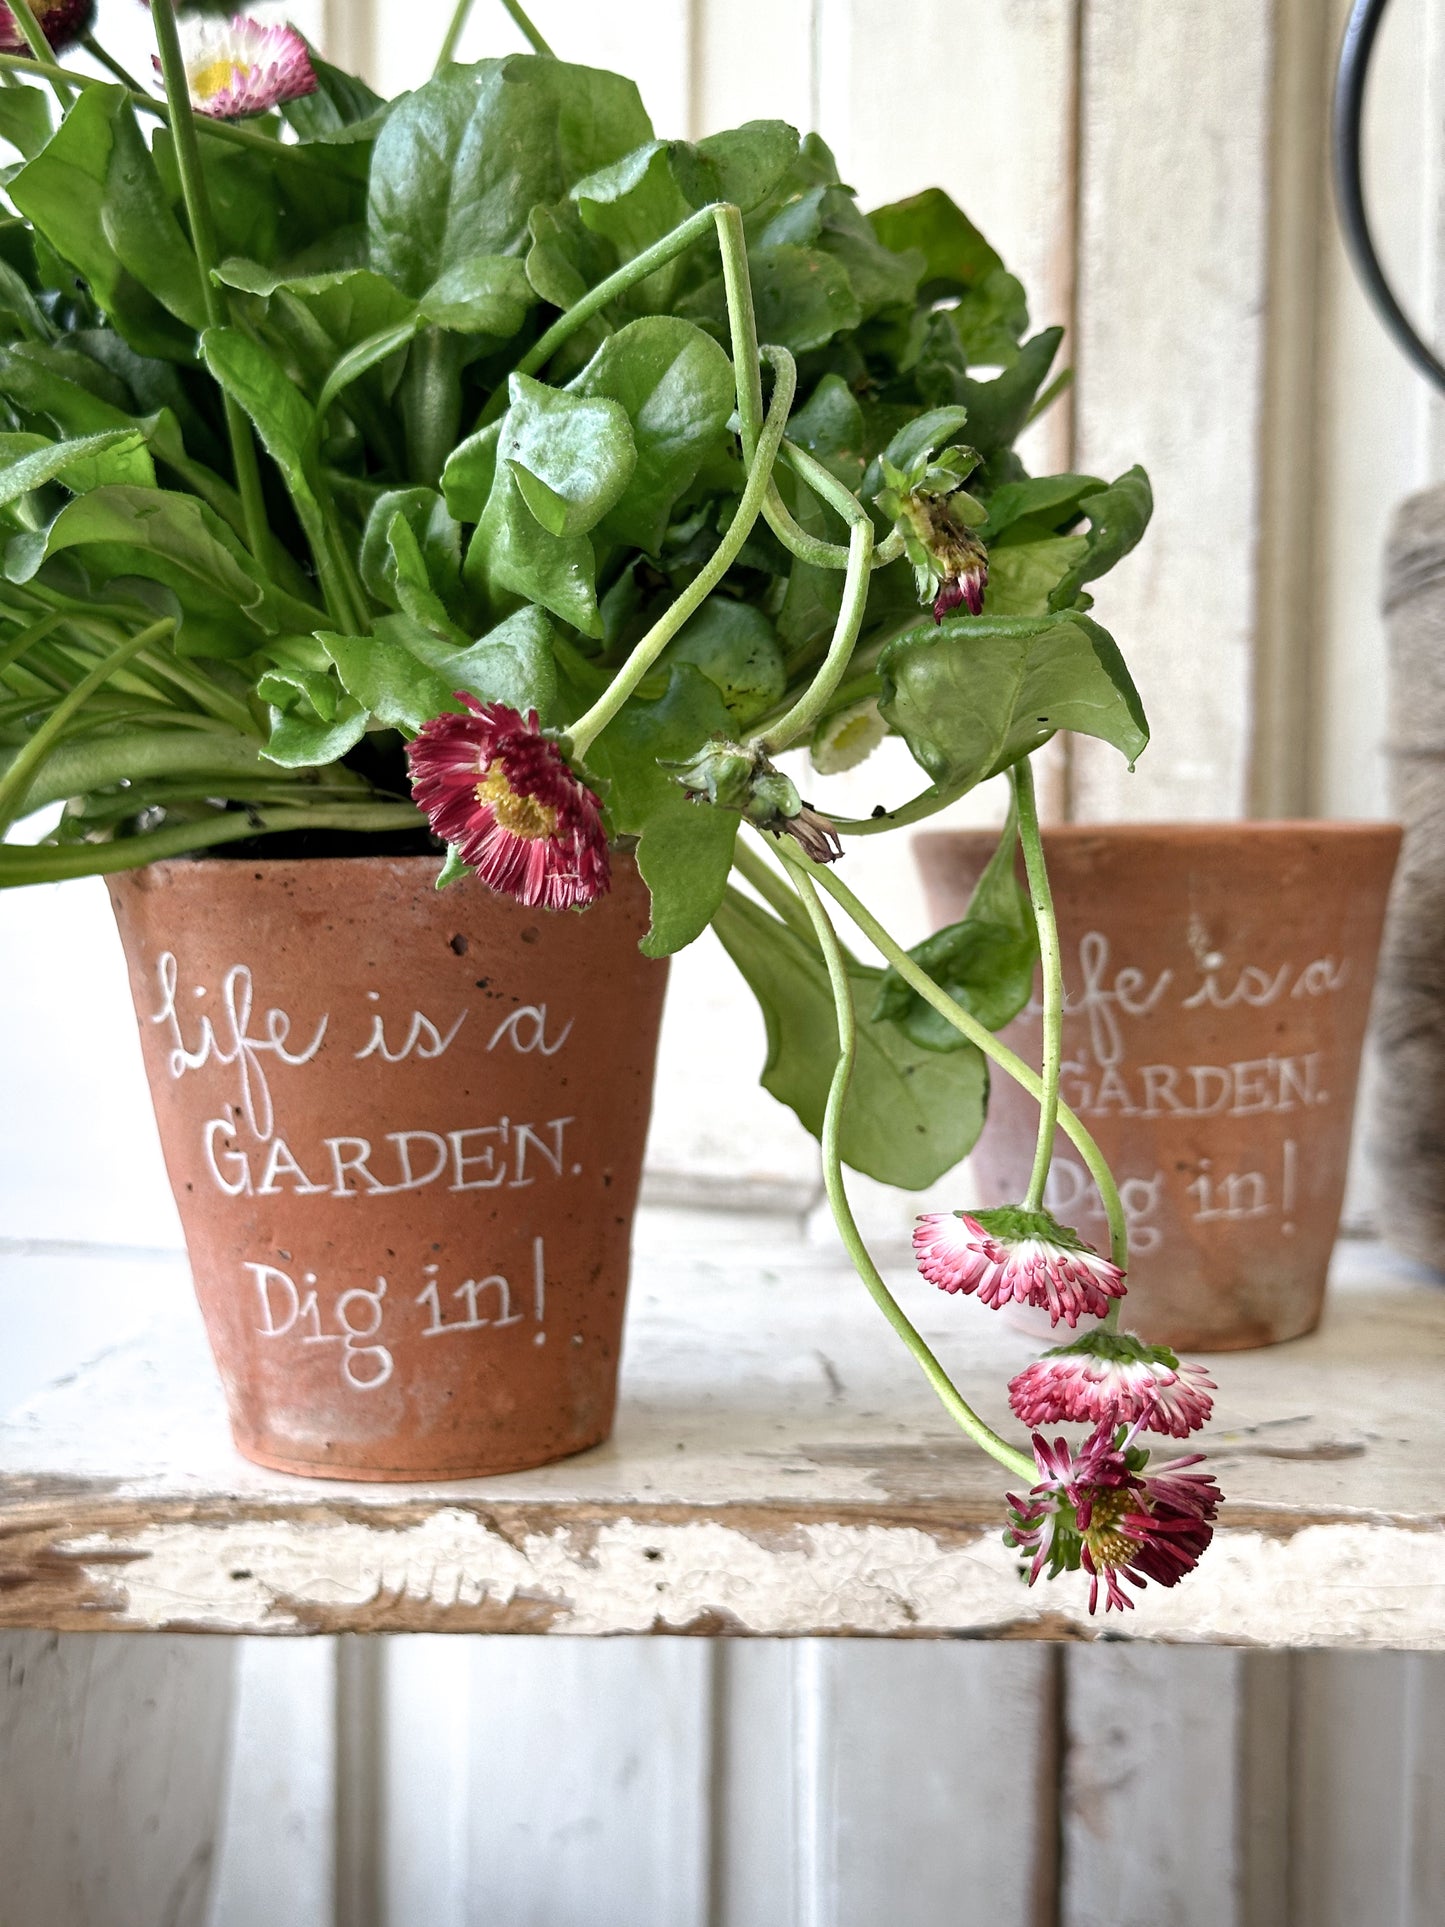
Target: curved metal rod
(1349, 108)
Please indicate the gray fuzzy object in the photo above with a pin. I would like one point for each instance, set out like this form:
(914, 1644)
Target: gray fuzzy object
(1407, 1136)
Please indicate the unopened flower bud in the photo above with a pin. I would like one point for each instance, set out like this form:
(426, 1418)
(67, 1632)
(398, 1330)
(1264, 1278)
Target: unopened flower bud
(737, 776)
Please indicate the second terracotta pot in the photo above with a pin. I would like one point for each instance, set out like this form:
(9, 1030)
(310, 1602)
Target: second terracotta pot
(1218, 981)
(404, 1129)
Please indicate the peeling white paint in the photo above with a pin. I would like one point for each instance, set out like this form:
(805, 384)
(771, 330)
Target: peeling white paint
(1349, 1585)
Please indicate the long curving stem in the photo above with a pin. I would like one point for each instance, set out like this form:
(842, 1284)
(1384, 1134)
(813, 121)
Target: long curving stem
(968, 1026)
(203, 240)
(1042, 899)
(951, 1398)
(587, 728)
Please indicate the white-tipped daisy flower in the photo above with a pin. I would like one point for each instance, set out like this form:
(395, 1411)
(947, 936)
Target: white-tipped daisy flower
(236, 68)
(1113, 1378)
(1016, 1256)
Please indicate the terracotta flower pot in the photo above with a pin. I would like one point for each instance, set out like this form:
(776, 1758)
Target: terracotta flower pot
(1218, 979)
(405, 1129)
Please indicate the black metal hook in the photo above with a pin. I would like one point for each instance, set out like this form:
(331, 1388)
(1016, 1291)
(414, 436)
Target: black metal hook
(1354, 67)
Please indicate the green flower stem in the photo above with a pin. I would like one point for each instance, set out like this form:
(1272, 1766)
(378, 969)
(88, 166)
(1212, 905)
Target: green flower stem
(772, 888)
(957, 1407)
(1042, 899)
(448, 52)
(42, 863)
(93, 47)
(203, 240)
(969, 1027)
(815, 700)
(595, 299)
(24, 16)
(587, 728)
(16, 782)
(533, 38)
(742, 323)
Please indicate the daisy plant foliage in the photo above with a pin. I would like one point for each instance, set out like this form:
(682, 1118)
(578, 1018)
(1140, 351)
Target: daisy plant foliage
(480, 472)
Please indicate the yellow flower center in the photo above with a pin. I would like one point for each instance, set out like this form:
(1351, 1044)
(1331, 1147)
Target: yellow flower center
(217, 75)
(1109, 1546)
(522, 815)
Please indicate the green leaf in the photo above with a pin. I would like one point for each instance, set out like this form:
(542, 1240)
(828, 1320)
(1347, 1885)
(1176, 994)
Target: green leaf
(431, 560)
(94, 193)
(486, 295)
(992, 319)
(830, 427)
(1053, 500)
(750, 160)
(973, 695)
(404, 675)
(985, 962)
(153, 536)
(830, 218)
(802, 296)
(999, 409)
(675, 385)
(86, 462)
(461, 163)
(686, 848)
(571, 455)
(911, 1114)
(283, 418)
(470, 473)
(1024, 575)
(956, 254)
(300, 739)
(350, 305)
(736, 648)
(342, 106)
(566, 258)
(25, 119)
(642, 197)
(1118, 516)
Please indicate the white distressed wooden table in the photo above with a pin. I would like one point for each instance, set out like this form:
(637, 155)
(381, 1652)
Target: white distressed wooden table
(778, 1468)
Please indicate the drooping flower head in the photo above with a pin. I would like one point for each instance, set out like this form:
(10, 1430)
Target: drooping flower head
(61, 21)
(1019, 1257)
(501, 793)
(936, 516)
(1098, 1510)
(238, 67)
(1113, 1378)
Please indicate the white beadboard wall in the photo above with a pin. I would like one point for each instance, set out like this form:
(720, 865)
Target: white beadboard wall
(1154, 173)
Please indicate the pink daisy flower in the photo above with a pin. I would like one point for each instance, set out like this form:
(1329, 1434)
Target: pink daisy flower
(1016, 1256)
(61, 21)
(1098, 1511)
(1113, 1378)
(499, 791)
(235, 68)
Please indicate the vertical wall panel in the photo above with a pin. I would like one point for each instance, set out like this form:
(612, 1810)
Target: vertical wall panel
(1151, 1827)
(753, 60)
(277, 1857)
(112, 1752)
(934, 1798)
(588, 1784)
(1174, 160)
(1367, 1849)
